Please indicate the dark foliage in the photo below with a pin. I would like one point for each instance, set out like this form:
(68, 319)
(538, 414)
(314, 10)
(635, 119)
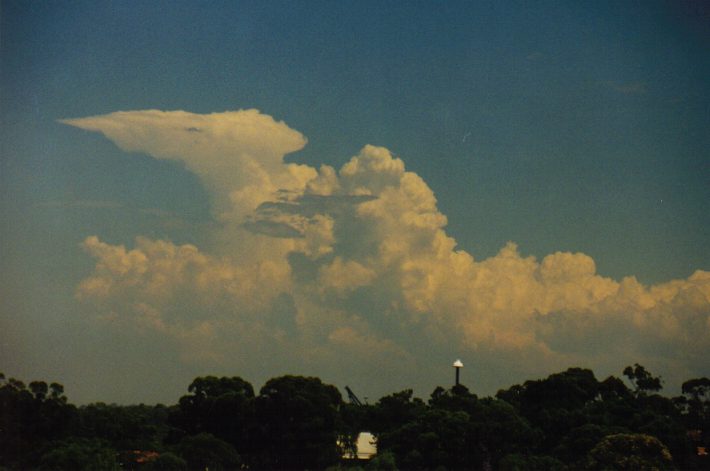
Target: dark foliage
(642, 380)
(297, 423)
(567, 421)
(223, 407)
(80, 454)
(632, 452)
(205, 451)
(31, 418)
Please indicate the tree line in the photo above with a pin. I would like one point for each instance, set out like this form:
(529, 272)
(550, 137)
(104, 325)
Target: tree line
(567, 421)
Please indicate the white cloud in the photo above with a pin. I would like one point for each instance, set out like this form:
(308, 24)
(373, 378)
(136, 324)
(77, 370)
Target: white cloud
(238, 154)
(324, 269)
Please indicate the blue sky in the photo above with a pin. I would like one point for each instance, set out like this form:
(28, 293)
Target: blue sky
(576, 127)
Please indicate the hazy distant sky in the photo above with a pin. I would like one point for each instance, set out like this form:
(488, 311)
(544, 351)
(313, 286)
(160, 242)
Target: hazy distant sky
(362, 191)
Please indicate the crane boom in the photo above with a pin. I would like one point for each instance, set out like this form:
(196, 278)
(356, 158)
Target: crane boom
(353, 397)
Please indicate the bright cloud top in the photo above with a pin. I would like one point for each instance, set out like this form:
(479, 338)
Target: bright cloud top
(238, 155)
(330, 269)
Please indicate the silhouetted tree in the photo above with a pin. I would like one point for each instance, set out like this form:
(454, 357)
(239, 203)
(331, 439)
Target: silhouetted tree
(526, 462)
(30, 419)
(554, 405)
(80, 454)
(223, 407)
(437, 437)
(384, 461)
(500, 430)
(298, 419)
(613, 388)
(167, 461)
(642, 379)
(395, 410)
(456, 431)
(632, 452)
(137, 427)
(205, 451)
(698, 389)
(568, 420)
(352, 420)
(696, 393)
(574, 447)
(456, 398)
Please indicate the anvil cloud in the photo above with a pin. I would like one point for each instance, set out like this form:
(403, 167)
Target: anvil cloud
(329, 270)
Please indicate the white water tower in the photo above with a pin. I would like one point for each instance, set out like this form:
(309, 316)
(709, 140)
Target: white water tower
(457, 366)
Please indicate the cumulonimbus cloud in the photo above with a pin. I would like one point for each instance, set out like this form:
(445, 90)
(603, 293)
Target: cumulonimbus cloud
(317, 265)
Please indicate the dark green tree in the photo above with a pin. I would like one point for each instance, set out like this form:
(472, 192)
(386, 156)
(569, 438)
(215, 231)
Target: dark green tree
(456, 398)
(695, 404)
(297, 423)
(499, 430)
(569, 390)
(167, 461)
(136, 427)
(395, 410)
(384, 461)
(554, 405)
(457, 431)
(30, 418)
(698, 389)
(223, 407)
(574, 447)
(523, 462)
(613, 388)
(696, 393)
(205, 451)
(352, 420)
(80, 454)
(437, 437)
(643, 381)
(632, 452)
(39, 389)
